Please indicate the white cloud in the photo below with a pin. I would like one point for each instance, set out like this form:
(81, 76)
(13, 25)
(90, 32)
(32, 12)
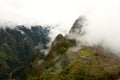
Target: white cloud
(103, 16)
(43, 11)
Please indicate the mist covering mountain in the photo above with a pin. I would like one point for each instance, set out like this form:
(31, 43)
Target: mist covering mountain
(78, 25)
(69, 59)
(22, 55)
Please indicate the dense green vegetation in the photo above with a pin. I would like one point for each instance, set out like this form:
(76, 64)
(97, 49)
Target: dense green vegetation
(61, 44)
(21, 51)
(85, 52)
(18, 45)
(86, 63)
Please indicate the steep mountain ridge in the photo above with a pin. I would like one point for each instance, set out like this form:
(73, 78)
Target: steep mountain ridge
(65, 63)
(68, 61)
(78, 25)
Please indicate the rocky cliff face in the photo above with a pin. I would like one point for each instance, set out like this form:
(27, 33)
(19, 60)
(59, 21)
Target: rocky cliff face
(78, 25)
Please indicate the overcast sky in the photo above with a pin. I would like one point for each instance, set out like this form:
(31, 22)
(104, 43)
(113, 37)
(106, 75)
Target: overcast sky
(55, 12)
(49, 11)
(103, 16)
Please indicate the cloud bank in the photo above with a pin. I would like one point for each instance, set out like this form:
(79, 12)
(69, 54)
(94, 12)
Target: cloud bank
(103, 17)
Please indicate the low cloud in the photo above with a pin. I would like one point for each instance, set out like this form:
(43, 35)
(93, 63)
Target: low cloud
(103, 17)
(101, 30)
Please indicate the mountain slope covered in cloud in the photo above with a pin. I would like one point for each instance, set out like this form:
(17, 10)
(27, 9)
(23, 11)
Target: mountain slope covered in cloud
(89, 50)
(68, 60)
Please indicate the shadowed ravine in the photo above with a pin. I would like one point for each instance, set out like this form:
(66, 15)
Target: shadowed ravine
(10, 76)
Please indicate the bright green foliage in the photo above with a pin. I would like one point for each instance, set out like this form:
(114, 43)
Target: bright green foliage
(79, 71)
(86, 53)
(62, 47)
(61, 44)
(90, 67)
(89, 63)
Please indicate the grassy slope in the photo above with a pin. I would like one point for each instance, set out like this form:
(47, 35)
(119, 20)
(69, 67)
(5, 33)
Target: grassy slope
(86, 63)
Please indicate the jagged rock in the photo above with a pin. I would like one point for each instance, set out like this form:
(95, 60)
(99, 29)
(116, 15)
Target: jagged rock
(78, 25)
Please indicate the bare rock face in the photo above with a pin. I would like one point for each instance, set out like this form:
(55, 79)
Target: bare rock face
(78, 25)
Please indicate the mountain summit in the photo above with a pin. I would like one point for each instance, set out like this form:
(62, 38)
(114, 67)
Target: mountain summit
(78, 25)
(68, 61)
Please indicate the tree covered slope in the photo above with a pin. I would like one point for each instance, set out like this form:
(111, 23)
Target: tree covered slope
(18, 44)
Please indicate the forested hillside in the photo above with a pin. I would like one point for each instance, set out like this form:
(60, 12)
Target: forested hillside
(18, 45)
